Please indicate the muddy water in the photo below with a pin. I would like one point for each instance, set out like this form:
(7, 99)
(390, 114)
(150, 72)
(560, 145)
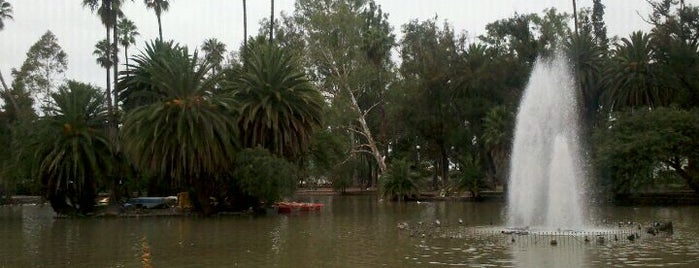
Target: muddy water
(356, 231)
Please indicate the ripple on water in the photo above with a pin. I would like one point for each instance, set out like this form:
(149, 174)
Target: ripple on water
(481, 248)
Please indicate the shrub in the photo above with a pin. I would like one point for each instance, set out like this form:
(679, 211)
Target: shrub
(263, 175)
(399, 182)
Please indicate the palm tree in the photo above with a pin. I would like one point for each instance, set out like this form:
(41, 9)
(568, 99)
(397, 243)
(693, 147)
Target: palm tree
(271, 22)
(399, 182)
(159, 6)
(498, 126)
(103, 52)
(588, 60)
(135, 88)
(632, 79)
(213, 53)
(245, 25)
(279, 107)
(575, 17)
(71, 150)
(5, 13)
(127, 37)
(186, 134)
(115, 14)
(108, 11)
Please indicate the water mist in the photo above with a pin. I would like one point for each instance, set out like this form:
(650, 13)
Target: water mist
(546, 179)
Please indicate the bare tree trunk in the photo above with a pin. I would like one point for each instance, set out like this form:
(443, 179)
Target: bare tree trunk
(160, 28)
(367, 133)
(110, 110)
(444, 166)
(271, 23)
(10, 97)
(245, 26)
(435, 175)
(115, 65)
(126, 57)
(575, 17)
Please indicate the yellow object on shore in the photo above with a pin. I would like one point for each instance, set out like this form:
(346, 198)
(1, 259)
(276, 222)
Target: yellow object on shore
(183, 201)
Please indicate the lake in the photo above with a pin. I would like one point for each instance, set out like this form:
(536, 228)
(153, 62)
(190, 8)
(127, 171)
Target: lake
(350, 231)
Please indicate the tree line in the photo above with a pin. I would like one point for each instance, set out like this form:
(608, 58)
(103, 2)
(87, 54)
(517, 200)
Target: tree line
(330, 94)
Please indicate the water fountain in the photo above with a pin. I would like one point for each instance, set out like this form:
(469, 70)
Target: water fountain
(546, 179)
(547, 223)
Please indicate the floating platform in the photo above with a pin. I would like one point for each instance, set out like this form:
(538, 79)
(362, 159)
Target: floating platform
(289, 207)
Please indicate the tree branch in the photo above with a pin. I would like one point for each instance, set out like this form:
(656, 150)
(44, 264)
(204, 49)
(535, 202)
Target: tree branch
(356, 132)
(366, 112)
(354, 151)
(9, 95)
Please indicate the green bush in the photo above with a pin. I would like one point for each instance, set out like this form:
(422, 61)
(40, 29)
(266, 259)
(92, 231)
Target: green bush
(471, 177)
(264, 176)
(399, 183)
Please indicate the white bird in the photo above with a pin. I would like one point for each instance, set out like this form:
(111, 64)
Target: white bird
(437, 222)
(461, 221)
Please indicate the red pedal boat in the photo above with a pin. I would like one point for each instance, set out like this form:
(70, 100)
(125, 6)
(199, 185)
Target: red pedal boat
(288, 207)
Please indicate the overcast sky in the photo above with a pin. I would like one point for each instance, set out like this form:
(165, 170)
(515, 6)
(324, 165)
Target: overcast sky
(192, 21)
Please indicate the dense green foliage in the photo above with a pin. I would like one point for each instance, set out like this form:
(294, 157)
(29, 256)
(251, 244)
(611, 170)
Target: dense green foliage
(71, 151)
(640, 145)
(278, 107)
(186, 134)
(39, 74)
(399, 183)
(260, 174)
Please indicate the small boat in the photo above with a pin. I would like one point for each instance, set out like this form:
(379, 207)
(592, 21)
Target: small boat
(289, 207)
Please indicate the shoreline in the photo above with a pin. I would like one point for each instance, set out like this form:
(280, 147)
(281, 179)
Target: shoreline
(677, 198)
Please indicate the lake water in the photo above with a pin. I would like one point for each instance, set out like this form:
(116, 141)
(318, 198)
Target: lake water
(350, 231)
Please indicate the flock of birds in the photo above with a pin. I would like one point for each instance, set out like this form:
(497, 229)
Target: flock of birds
(628, 230)
(422, 229)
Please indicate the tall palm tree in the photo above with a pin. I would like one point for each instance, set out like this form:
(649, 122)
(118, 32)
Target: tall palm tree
(103, 52)
(271, 22)
(588, 60)
(575, 17)
(71, 150)
(279, 108)
(159, 6)
(213, 53)
(108, 11)
(632, 79)
(127, 37)
(245, 25)
(5, 13)
(115, 14)
(186, 133)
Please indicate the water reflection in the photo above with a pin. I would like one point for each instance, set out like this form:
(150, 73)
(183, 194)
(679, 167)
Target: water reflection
(355, 231)
(551, 256)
